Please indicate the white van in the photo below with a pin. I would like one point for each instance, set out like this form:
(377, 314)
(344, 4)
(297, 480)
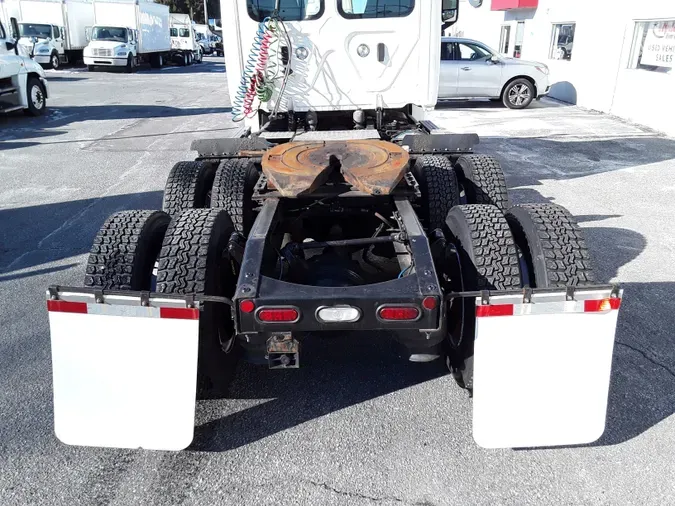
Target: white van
(22, 81)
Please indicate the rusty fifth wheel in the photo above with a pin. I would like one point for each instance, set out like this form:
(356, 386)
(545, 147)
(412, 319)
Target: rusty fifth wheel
(371, 166)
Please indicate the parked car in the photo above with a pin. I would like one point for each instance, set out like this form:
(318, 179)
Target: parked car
(470, 69)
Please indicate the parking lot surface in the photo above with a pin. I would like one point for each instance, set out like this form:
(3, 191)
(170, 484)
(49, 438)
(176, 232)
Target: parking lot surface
(355, 425)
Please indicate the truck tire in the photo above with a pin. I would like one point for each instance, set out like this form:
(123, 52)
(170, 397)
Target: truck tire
(232, 191)
(130, 65)
(188, 187)
(37, 97)
(482, 179)
(189, 59)
(54, 61)
(194, 260)
(439, 187)
(518, 94)
(553, 248)
(156, 61)
(486, 259)
(125, 250)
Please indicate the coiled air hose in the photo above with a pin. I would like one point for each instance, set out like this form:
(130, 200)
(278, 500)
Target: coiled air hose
(260, 71)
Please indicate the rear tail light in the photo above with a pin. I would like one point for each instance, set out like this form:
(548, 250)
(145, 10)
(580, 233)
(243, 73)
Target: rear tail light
(338, 314)
(278, 315)
(247, 306)
(430, 303)
(398, 313)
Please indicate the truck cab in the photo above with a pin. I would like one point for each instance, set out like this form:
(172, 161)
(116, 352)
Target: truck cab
(184, 46)
(44, 42)
(111, 46)
(345, 55)
(23, 84)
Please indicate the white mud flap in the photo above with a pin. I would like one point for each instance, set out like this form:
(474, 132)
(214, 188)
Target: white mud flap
(542, 369)
(124, 375)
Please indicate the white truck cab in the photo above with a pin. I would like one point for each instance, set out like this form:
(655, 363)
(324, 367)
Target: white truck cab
(184, 45)
(111, 45)
(22, 81)
(345, 55)
(45, 43)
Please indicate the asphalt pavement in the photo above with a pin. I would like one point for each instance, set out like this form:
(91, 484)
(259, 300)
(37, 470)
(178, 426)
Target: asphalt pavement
(355, 425)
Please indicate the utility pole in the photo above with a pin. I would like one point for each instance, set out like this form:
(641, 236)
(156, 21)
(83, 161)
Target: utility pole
(206, 14)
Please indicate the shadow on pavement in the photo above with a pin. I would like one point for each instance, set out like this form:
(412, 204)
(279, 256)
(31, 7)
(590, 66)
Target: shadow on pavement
(20, 127)
(339, 372)
(484, 103)
(45, 233)
(527, 161)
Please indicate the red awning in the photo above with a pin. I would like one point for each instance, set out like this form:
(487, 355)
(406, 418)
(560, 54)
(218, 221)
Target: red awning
(505, 5)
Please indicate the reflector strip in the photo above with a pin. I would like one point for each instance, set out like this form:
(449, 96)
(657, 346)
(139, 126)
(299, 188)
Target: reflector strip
(61, 306)
(593, 306)
(171, 313)
(179, 313)
(495, 310)
(573, 306)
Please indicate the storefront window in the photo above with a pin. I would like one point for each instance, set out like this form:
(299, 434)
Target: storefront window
(289, 10)
(562, 41)
(654, 46)
(364, 9)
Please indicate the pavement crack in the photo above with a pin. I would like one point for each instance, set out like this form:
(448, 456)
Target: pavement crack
(355, 495)
(648, 358)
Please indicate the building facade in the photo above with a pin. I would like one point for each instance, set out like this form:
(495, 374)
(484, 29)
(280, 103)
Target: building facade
(614, 56)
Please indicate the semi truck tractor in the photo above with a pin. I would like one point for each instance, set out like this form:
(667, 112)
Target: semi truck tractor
(127, 33)
(340, 208)
(53, 32)
(23, 84)
(184, 47)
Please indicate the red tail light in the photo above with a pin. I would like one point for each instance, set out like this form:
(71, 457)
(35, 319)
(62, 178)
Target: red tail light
(247, 306)
(399, 313)
(278, 315)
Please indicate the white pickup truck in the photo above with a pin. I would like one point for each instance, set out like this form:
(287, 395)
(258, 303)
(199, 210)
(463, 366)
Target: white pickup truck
(22, 81)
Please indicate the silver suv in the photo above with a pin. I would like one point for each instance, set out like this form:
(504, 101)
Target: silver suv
(470, 69)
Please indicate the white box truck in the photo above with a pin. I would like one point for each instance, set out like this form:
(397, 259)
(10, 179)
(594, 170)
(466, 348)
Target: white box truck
(128, 32)
(53, 32)
(184, 47)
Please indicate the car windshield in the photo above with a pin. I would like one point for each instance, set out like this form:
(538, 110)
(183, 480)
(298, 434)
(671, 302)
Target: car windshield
(31, 30)
(184, 32)
(109, 33)
(173, 32)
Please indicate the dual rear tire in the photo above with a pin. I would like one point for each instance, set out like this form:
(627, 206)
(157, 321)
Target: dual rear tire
(535, 245)
(150, 251)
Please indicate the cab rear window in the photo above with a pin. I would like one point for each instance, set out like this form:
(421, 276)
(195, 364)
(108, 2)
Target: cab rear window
(368, 9)
(289, 10)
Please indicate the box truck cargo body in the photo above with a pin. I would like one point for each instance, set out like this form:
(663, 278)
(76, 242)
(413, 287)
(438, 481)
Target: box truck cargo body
(53, 32)
(128, 32)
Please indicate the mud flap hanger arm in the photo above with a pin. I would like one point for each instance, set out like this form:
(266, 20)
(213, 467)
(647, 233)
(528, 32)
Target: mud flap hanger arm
(55, 292)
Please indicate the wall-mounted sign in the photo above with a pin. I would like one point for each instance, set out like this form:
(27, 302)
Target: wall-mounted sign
(659, 45)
